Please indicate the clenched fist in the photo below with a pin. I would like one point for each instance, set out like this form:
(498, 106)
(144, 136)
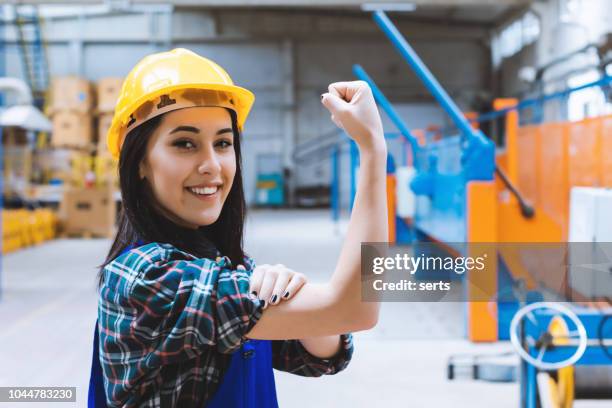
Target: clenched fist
(353, 109)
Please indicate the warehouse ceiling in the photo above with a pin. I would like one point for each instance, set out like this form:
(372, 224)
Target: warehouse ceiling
(485, 12)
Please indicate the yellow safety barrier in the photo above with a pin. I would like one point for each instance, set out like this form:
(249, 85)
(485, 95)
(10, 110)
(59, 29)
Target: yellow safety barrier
(22, 228)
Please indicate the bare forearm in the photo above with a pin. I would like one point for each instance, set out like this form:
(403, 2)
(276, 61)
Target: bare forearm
(335, 307)
(368, 223)
(321, 310)
(322, 347)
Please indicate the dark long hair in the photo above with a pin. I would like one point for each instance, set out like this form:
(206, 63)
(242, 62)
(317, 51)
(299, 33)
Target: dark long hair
(140, 221)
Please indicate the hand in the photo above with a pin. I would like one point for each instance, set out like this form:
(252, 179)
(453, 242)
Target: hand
(273, 283)
(353, 109)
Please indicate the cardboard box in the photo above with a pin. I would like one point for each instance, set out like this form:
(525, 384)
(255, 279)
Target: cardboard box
(89, 211)
(104, 123)
(72, 129)
(70, 93)
(108, 92)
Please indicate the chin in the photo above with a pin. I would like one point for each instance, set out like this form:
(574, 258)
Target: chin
(204, 220)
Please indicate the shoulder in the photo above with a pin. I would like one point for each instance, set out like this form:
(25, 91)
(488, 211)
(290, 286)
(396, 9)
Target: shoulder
(149, 258)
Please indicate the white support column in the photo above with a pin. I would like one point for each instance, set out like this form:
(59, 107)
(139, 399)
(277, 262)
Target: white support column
(289, 117)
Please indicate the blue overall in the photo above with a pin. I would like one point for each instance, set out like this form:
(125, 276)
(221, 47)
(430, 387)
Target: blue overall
(247, 383)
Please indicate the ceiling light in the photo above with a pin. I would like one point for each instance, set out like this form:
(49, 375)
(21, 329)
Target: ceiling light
(407, 7)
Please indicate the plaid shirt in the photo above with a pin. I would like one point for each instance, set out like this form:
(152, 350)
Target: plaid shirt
(169, 321)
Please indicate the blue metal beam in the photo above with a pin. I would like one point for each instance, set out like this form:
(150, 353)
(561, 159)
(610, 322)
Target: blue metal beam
(424, 74)
(604, 81)
(479, 152)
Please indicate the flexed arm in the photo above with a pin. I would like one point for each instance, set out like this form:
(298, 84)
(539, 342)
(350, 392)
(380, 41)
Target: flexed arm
(335, 307)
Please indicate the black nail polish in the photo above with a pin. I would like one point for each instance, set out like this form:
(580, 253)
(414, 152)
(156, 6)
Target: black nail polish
(254, 293)
(322, 96)
(286, 295)
(273, 299)
(265, 304)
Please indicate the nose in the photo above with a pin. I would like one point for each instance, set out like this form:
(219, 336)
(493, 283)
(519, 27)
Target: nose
(209, 162)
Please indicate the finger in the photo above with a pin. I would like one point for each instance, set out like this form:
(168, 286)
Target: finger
(333, 103)
(267, 286)
(348, 89)
(257, 279)
(295, 284)
(335, 88)
(336, 122)
(282, 280)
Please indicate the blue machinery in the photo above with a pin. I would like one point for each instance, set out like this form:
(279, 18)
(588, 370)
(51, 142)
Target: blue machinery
(550, 338)
(563, 350)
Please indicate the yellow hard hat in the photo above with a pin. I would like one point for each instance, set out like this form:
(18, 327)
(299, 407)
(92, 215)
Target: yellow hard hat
(172, 80)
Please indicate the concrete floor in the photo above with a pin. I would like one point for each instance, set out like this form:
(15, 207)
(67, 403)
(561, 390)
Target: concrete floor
(48, 311)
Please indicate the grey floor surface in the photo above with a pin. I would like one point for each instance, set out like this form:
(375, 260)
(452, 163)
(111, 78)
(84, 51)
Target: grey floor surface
(48, 311)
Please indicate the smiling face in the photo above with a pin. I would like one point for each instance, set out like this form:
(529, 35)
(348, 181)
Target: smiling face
(190, 164)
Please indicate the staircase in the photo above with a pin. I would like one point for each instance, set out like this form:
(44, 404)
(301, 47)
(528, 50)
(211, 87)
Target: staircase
(33, 52)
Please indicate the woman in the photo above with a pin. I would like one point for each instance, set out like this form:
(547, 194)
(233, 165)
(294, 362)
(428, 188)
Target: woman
(183, 313)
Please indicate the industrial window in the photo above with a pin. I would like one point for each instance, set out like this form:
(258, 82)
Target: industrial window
(589, 102)
(514, 37)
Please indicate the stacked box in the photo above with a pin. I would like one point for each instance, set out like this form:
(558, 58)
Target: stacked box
(70, 93)
(72, 129)
(70, 106)
(89, 211)
(108, 92)
(105, 166)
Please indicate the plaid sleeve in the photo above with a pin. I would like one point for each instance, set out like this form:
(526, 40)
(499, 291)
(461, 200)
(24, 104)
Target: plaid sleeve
(158, 307)
(292, 356)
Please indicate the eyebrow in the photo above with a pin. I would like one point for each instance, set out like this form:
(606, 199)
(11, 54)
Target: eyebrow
(196, 130)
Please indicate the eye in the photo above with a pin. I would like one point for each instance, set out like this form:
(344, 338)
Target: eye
(224, 144)
(183, 144)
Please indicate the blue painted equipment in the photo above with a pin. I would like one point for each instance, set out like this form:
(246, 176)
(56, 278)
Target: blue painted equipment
(444, 167)
(479, 152)
(585, 341)
(269, 189)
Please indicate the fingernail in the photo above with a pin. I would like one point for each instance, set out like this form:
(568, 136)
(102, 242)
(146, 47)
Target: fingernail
(265, 304)
(254, 293)
(286, 295)
(241, 268)
(273, 299)
(322, 96)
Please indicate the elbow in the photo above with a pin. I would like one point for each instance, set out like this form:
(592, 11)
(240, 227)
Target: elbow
(364, 319)
(355, 316)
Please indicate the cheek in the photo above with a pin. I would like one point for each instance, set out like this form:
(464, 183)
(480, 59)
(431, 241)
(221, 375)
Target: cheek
(168, 175)
(229, 170)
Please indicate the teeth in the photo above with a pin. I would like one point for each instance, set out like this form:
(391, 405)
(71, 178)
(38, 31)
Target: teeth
(204, 190)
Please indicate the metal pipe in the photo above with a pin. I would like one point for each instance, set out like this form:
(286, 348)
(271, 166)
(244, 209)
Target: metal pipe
(424, 74)
(22, 90)
(534, 101)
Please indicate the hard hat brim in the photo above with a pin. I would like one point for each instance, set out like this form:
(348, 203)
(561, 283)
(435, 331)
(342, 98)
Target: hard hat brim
(117, 131)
